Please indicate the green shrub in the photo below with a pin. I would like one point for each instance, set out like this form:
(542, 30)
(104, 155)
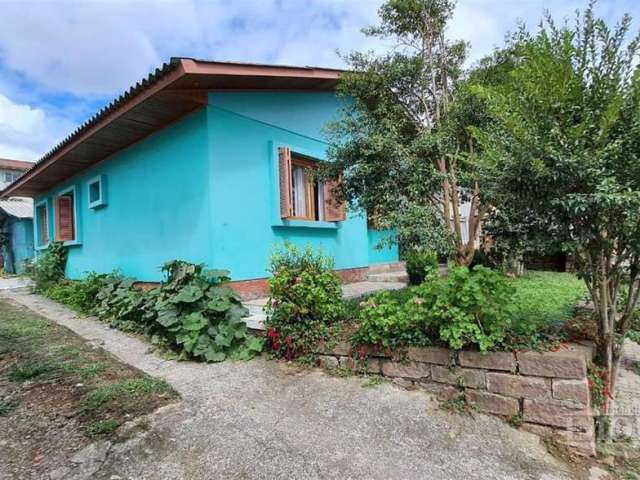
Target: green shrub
(465, 308)
(306, 299)
(419, 263)
(191, 311)
(392, 322)
(470, 307)
(79, 295)
(48, 268)
(123, 306)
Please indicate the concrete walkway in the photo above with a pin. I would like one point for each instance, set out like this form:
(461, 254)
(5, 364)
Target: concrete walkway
(14, 283)
(268, 420)
(627, 398)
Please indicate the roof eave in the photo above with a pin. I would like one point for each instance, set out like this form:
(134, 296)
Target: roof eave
(152, 85)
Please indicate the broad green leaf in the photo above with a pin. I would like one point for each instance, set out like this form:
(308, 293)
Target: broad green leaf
(213, 355)
(194, 321)
(168, 316)
(187, 294)
(219, 304)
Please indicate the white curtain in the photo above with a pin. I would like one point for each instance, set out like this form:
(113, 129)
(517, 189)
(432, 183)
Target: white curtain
(299, 193)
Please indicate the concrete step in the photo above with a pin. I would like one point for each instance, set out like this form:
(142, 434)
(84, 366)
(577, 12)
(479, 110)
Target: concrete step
(387, 267)
(395, 277)
(254, 309)
(255, 322)
(23, 290)
(361, 289)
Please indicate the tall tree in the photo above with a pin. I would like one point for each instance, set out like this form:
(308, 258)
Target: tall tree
(565, 144)
(405, 156)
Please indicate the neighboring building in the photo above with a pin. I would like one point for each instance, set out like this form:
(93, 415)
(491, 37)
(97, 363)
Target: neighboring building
(16, 233)
(16, 220)
(206, 162)
(11, 170)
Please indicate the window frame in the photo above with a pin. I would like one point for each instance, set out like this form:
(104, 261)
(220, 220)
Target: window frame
(313, 152)
(36, 225)
(76, 236)
(101, 202)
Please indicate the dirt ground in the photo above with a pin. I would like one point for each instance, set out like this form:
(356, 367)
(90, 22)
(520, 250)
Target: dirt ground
(59, 393)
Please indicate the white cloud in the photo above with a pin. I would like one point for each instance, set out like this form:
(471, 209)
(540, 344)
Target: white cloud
(56, 54)
(88, 48)
(100, 48)
(27, 132)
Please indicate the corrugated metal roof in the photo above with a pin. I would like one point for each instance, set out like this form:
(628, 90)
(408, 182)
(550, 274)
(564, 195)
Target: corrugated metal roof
(133, 91)
(172, 91)
(19, 207)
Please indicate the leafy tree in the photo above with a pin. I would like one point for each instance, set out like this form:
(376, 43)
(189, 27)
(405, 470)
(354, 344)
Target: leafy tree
(403, 142)
(564, 142)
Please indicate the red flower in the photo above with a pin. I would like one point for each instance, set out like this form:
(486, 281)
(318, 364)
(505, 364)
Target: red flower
(274, 338)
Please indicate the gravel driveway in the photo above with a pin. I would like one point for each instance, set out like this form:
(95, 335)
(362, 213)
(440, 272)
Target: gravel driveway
(266, 420)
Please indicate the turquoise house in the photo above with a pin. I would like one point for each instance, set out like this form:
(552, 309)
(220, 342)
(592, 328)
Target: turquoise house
(207, 162)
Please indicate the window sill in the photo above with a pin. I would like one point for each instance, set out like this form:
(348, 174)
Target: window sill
(41, 247)
(307, 224)
(71, 243)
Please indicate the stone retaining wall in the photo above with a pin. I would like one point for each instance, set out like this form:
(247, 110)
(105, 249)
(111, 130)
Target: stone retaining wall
(547, 393)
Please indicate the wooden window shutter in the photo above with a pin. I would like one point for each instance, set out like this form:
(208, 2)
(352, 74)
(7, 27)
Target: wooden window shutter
(334, 209)
(64, 219)
(286, 200)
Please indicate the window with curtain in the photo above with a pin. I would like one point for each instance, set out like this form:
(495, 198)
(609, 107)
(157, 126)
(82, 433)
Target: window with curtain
(302, 196)
(306, 190)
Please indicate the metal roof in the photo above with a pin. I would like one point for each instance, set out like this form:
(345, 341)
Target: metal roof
(171, 92)
(19, 207)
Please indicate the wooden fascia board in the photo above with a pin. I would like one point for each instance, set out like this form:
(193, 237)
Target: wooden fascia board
(152, 90)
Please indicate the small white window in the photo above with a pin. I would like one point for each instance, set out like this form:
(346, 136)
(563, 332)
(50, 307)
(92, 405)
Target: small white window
(96, 189)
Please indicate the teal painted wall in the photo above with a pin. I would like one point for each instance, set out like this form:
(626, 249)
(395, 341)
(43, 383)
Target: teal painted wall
(245, 130)
(157, 205)
(21, 242)
(20, 234)
(388, 253)
(206, 190)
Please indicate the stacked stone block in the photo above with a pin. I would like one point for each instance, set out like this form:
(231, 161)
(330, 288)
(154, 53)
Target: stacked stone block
(546, 392)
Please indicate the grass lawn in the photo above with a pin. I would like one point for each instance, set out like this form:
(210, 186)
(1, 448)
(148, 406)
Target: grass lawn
(548, 296)
(545, 300)
(57, 392)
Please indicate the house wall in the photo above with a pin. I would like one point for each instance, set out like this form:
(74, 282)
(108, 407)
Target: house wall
(379, 250)
(21, 231)
(245, 130)
(157, 209)
(205, 189)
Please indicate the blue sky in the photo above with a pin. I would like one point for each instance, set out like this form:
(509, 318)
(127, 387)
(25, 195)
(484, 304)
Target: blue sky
(62, 60)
